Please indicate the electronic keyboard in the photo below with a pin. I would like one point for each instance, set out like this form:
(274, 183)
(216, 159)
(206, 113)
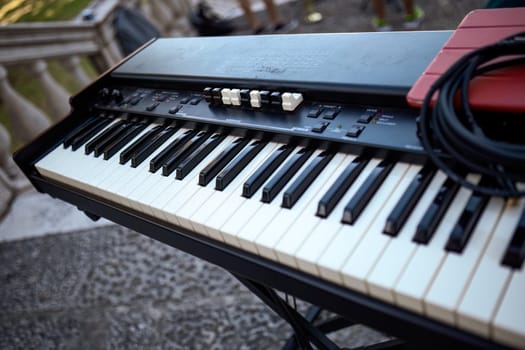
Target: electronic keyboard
(294, 160)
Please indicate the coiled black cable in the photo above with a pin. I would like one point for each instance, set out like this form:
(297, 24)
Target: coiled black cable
(453, 138)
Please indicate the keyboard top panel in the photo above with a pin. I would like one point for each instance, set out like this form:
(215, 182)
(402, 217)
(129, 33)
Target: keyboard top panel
(356, 62)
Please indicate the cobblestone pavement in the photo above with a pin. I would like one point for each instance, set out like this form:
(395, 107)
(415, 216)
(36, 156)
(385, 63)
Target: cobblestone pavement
(111, 288)
(107, 287)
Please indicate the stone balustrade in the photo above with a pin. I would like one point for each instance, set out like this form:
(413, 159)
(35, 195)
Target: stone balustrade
(32, 45)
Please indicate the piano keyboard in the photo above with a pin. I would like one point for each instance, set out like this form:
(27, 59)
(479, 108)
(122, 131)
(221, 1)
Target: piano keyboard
(296, 159)
(397, 231)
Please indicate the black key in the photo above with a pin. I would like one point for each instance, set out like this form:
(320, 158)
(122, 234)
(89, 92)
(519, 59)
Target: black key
(432, 217)
(467, 222)
(191, 161)
(406, 204)
(86, 125)
(83, 137)
(216, 165)
(359, 201)
(340, 186)
(305, 179)
(515, 252)
(157, 161)
(264, 171)
(238, 164)
(174, 160)
(105, 137)
(126, 154)
(279, 180)
(122, 140)
(158, 139)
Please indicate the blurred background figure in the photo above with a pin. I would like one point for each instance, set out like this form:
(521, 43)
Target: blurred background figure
(208, 23)
(273, 15)
(414, 15)
(504, 3)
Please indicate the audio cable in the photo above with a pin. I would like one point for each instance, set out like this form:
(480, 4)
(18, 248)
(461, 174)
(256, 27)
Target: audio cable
(451, 133)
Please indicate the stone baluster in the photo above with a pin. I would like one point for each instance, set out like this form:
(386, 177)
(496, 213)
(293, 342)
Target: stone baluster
(27, 121)
(72, 63)
(6, 194)
(180, 10)
(109, 47)
(146, 10)
(57, 98)
(5, 146)
(10, 174)
(12, 181)
(162, 15)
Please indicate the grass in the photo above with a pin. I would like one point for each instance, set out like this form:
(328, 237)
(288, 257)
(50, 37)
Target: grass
(21, 78)
(12, 11)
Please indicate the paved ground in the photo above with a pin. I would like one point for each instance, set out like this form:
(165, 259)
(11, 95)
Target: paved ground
(100, 286)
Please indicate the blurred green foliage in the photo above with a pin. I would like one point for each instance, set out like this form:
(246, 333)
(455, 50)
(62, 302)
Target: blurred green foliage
(12, 11)
(21, 78)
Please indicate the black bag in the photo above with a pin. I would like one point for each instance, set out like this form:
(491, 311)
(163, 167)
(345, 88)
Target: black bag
(207, 22)
(132, 30)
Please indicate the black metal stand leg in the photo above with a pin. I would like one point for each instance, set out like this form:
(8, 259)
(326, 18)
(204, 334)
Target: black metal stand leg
(331, 325)
(311, 315)
(305, 333)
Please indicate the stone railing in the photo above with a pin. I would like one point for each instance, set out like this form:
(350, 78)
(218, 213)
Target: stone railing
(32, 45)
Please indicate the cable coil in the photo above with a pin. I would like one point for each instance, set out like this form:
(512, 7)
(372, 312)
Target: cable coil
(453, 137)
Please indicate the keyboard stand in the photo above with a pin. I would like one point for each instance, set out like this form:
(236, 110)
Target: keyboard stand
(305, 331)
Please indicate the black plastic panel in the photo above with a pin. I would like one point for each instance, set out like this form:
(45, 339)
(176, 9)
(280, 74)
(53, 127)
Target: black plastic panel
(350, 62)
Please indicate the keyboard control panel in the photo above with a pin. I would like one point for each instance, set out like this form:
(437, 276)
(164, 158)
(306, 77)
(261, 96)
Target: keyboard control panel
(283, 112)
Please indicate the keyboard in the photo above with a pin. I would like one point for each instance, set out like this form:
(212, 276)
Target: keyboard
(302, 165)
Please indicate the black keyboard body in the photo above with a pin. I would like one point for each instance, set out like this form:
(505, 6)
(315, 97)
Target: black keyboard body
(352, 91)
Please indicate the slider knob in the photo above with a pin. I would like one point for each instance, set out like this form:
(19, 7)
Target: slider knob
(104, 95)
(116, 95)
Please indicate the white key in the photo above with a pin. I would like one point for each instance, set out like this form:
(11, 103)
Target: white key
(158, 191)
(214, 223)
(488, 284)
(393, 260)
(333, 259)
(509, 323)
(113, 170)
(244, 208)
(274, 230)
(449, 285)
(116, 173)
(205, 201)
(153, 184)
(303, 222)
(374, 241)
(91, 166)
(421, 270)
(52, 165)
(265, 213)
(186, 194)
(137, 176)
(220, 201)
(329, 229)
(68, 166)
(133, 191)
(280, 226)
